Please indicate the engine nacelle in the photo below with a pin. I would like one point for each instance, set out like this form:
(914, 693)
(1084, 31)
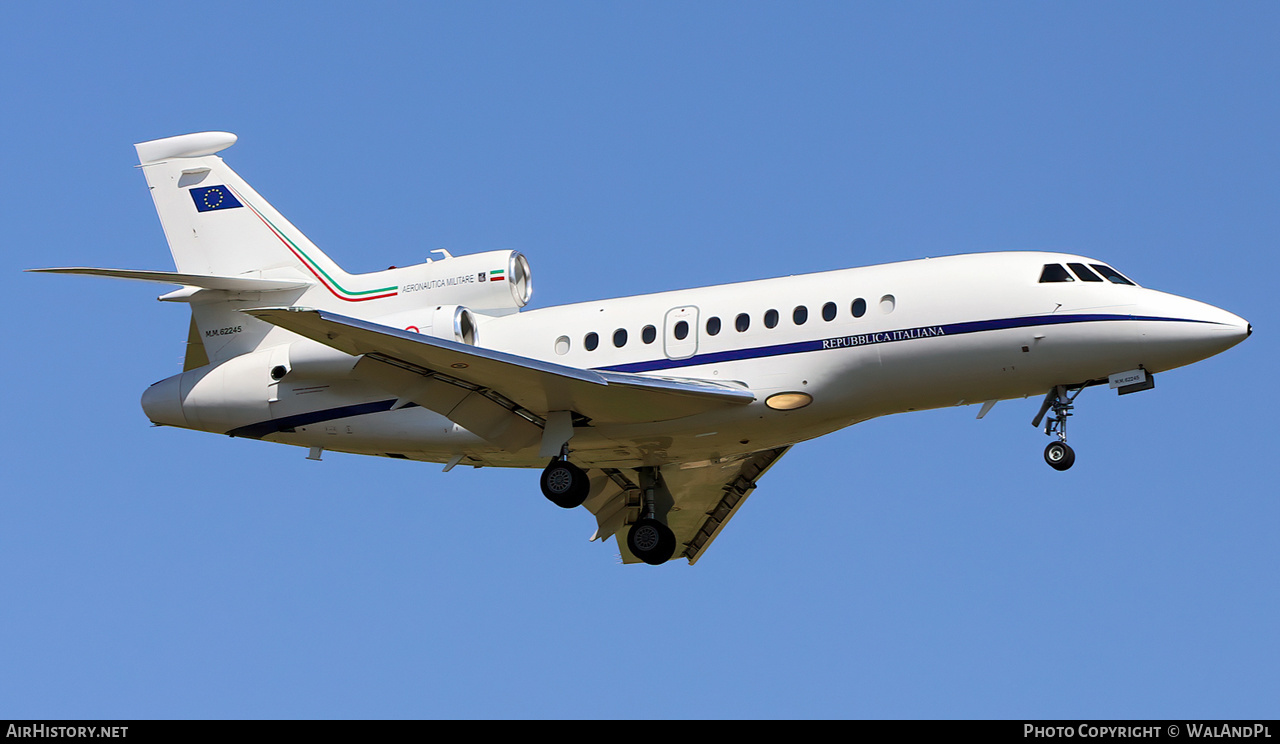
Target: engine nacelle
(493, 283)
(452, 322)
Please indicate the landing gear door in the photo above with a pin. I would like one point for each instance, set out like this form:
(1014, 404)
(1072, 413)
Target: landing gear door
(680, 332)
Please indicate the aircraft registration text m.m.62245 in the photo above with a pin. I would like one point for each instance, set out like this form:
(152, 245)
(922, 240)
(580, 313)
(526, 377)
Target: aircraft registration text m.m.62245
(659, 413)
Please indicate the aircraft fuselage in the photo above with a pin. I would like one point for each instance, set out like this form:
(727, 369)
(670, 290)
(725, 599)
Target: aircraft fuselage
(860, 343)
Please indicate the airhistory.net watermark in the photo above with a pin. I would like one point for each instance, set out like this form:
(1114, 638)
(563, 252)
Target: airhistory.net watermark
(48, 731)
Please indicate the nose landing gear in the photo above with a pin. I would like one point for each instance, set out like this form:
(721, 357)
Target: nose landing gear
(1059, 455)
(1061, 400)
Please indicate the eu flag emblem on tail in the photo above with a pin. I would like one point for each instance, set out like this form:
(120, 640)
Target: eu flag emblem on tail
(210, 198)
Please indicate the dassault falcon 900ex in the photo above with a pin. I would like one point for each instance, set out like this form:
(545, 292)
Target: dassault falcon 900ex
(659, 413)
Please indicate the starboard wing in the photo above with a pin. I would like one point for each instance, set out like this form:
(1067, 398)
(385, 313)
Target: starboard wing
(531, 389)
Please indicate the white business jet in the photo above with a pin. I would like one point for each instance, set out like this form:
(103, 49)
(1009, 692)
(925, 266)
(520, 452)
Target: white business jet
(658, 413)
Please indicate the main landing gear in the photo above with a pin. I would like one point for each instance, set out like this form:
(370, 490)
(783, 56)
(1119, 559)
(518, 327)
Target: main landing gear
(650, 539)
(1058, 454)
(565, 484)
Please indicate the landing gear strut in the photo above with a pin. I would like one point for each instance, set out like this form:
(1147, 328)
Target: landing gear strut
(1061, 400)
(565, 484)
(650, 539)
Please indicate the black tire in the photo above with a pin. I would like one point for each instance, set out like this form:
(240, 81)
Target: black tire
(565, 484)
(651, 541)
(1059, 455)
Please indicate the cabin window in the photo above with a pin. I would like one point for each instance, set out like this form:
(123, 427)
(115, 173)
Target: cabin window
(1112, 275)
(771, 319)
(1083, 272)
(620, 337)
(681, 330)
(713, 326)
(859, 308)
(562, 345)
(591, 341)
(829, 312)
(800, 315)
(649, 334)
(1054, 273)
(742, 322)
(887, 304)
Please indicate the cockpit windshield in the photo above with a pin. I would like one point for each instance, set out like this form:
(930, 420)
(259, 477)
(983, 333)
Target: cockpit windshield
(1058, 273)
(1083, 272)
(1054, 273)
(1112, 275)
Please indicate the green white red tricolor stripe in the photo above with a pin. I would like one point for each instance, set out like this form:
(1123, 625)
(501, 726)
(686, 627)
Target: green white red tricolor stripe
(318, 271)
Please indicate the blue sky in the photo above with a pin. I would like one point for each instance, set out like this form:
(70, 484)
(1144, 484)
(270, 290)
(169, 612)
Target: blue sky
(925, 565)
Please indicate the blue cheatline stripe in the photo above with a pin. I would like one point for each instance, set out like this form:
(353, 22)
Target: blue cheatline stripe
(272, 426)
(262, 429)
(880, 337)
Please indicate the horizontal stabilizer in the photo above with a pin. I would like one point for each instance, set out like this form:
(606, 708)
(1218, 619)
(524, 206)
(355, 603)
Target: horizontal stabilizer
(203, 281)
(537, 386)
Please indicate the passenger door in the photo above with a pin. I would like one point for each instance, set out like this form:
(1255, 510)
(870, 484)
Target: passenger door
(680, 332)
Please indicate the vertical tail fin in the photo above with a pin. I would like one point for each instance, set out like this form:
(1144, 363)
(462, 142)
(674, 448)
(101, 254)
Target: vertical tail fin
(234, 251)
(215, 222)
(218, 225)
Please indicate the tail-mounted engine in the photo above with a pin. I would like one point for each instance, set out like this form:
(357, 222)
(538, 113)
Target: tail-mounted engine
(443, 298)
(452, 322)
(493, 283)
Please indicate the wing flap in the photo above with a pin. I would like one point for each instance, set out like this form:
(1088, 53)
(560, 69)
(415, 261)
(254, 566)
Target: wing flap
(613, 499)
(490, 418)
(530, 384)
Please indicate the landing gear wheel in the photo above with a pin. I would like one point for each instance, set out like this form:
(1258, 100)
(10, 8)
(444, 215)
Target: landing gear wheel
(1059, 455)
(565, 484)
(651, 541)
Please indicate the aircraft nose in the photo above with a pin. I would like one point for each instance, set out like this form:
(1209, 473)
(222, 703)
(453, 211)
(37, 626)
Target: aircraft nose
(1219, 329)
(1189, 331)
(1237, 328)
